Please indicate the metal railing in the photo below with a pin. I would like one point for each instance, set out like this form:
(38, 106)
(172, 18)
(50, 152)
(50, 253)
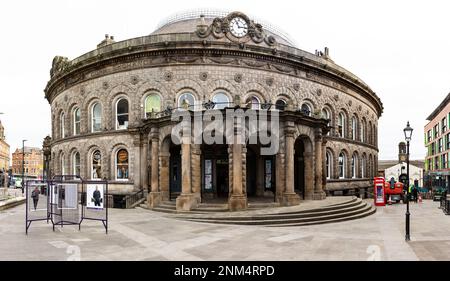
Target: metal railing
(132, 199)
(210, 105)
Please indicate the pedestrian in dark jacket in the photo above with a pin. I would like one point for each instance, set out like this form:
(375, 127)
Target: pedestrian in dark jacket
(35, 196)
(415, 194)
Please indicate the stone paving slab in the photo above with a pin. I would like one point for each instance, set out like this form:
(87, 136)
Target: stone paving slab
(138, 234)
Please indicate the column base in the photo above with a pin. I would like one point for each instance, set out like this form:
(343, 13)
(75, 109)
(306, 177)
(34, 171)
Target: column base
(237, 203)
(186, 202)
(319, 195)
(290, 199)
(154, 199)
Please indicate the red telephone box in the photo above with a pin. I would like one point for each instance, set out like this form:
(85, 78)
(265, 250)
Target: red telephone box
(378, 192)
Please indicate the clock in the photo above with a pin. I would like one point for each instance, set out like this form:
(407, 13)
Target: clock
(238, 27)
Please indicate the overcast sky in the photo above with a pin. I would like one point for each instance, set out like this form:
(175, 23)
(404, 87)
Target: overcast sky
(399, 48)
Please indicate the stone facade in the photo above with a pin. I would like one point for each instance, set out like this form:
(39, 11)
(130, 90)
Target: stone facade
(170, 65)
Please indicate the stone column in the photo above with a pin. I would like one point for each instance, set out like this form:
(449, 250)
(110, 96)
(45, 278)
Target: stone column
(196, 171)
(186, 201)
(144, 164)
(309, 174)
(154, 197)
(238, 199)
(324, 166)
(290, 198)
(319, 194)
(164, 181)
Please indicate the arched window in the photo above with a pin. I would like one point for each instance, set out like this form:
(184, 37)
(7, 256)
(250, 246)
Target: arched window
(221, 100)
(354, 127)
(280, 105)
(96, 115)
(341, 125)
(96, 168)
(186, 101)
(76, 121)
(353, 166)
(306, 109)
(122, 114)
(122, 164)
(363, 167)
(342, 165)
(326, 115)
(152, 104)
(328, 163)
(63, 164)
(254, 102)
(362, 135)
(76, 164)
(61, 124)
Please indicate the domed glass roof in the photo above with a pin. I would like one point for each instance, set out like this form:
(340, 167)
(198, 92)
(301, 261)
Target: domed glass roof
(186, 22)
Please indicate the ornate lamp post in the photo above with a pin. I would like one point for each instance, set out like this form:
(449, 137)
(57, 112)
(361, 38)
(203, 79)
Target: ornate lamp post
(408, 132)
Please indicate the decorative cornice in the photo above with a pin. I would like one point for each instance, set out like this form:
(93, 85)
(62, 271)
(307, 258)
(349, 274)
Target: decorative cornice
(159, 55)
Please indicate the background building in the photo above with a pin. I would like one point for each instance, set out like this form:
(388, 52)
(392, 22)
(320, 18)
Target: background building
(394, 168)
(33, 162)
(437, 142)
(4, 155)
(111, 112)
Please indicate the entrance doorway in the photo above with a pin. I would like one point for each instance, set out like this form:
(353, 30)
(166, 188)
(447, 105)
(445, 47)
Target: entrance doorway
(215, 171)
(260, 170)
(175, 171)
(299, 168)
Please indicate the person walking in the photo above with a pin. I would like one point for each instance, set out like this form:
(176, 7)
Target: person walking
(415, 194)
(35, 196)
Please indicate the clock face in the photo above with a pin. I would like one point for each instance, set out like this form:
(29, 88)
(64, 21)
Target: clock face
(238, 27)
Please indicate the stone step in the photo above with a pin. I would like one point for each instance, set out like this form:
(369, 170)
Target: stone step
(366, 213)
(283, 216)
(290, 221)
(350, 203)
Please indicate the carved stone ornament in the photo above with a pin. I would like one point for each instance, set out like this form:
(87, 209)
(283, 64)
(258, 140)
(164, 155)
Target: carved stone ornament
(319, 92)
(134, 80)
(220, 27)
(350, 103)
(296, 87)
(359, 107)
(82, 91)
(238, 77)
(336, 97)
(66, 98)
(59, 64)
(269, 81)
(168, 76)
(105, 85)
(203, 76)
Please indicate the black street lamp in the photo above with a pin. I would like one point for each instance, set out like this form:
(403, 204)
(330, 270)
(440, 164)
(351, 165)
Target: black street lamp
(408, 132)
(23, 165)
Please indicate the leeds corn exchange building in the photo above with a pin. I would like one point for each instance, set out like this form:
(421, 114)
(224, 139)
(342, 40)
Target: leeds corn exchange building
(112, 115)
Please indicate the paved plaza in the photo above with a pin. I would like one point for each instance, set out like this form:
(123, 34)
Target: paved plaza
(138, 234)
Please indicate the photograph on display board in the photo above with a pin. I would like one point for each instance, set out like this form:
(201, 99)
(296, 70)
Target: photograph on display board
(67, 196)
(38, 198)
(95, 196)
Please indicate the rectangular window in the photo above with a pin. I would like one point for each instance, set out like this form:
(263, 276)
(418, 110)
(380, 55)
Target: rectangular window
(444, 161)
(432, 149)
(436, 130)
(429, 135)
(444, 124)
(447, 141)
(208, 174)
(268, 174)
(440, 144)
(436, 163)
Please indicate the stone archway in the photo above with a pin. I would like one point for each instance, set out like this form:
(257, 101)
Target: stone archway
(303, 167)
